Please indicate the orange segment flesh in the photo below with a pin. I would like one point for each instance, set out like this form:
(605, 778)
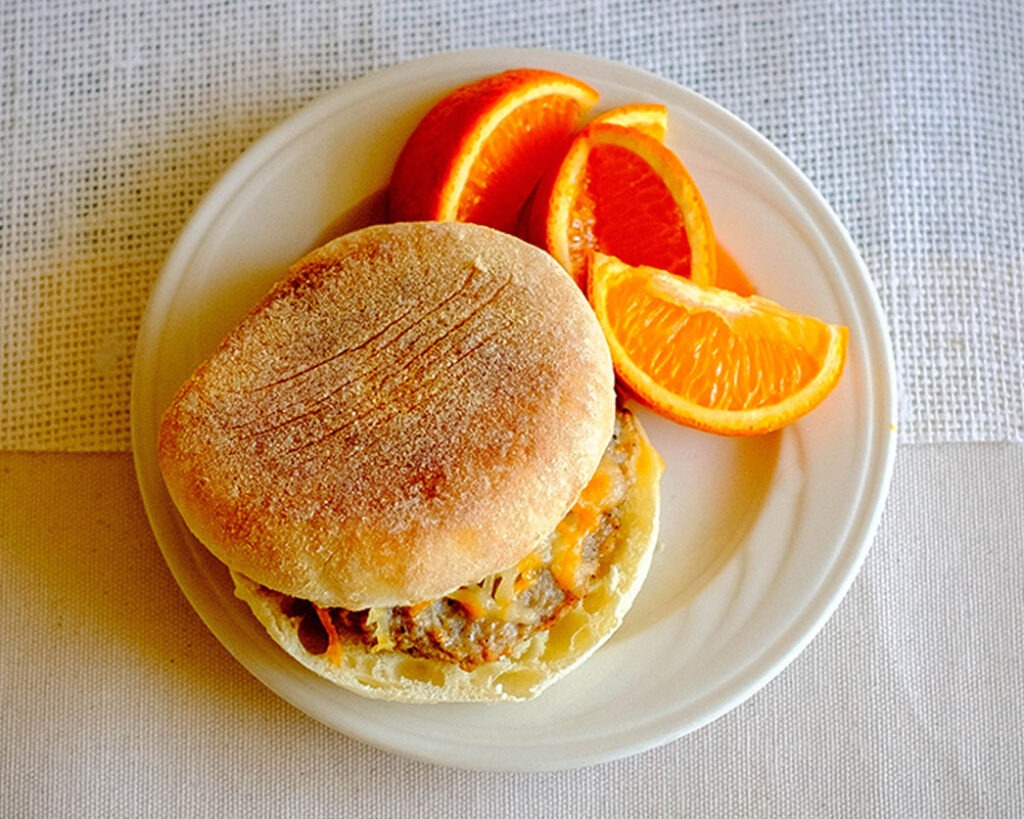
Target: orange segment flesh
(497, 182)
(622, 192)
(619, 182)
(478, 153)
(709, 358)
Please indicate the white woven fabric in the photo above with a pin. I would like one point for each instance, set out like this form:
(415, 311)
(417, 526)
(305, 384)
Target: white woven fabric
(115, 118)
(908, 704)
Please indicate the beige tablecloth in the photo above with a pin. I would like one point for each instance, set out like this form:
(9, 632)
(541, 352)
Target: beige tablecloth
(117, 117)
(117, 703)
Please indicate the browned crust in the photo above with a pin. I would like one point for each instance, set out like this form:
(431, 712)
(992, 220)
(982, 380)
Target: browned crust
(413, 407)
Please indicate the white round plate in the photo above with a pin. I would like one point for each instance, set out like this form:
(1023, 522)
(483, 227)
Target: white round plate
(760, 538)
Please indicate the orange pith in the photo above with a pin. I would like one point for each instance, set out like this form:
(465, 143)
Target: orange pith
(478, 153)
(709, 358)
(649, 117)
(620, 191)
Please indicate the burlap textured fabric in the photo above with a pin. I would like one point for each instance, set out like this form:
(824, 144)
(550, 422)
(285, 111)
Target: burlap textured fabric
(116, 118)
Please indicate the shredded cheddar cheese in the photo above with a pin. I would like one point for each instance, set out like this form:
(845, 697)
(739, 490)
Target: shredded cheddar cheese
(595, 492)
(572, 531)
(505, 588)
(568, 552)
(333, 639)
(526, 571)
(473, 599)
(419, 608)
(491, 597)
(380, 620)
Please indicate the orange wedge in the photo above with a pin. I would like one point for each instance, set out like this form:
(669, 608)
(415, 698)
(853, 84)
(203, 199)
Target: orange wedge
(709, 358)
(652, 119)
(620, 191)
(478, 153)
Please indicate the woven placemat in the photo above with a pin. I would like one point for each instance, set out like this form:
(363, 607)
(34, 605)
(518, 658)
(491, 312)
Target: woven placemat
(116, 118)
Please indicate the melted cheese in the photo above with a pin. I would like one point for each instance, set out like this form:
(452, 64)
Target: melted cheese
(493, 596)
(333, 638)
(380, 620)
(526, 571)
(497, 596)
